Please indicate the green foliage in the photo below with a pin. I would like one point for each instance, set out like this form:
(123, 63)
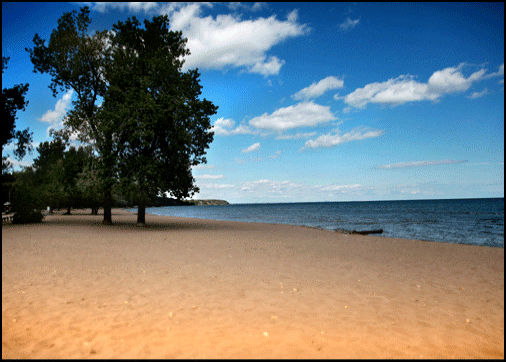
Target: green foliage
(152, 126)
(49, 154)
(25, 198)
(163, 126)
(76, 61)
(13, 100)
(89, 184)
(45, 168)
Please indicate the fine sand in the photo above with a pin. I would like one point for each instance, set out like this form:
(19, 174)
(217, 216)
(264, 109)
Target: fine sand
(189, 288)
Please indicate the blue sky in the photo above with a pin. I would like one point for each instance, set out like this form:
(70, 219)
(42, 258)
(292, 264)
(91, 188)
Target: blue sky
(318, 101)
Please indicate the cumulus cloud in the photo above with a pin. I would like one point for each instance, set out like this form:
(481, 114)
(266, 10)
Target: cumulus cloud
(227, 40)
(451, 80)
(332, 140)
(225, 127)
(55, 116)
(317, 89)
(253, 147)
(306, 114)
(419, 164)
(404, 88)
(349, 24)
(272, 66)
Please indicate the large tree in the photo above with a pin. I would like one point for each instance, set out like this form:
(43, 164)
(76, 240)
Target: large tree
(164, 128)
(75, 61)
(152, 126)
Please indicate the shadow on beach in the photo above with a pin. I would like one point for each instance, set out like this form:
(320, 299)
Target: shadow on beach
(126, 221)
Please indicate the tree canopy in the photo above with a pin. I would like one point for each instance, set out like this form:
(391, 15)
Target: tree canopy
(152, 126)
(165, 126)
(76, 61)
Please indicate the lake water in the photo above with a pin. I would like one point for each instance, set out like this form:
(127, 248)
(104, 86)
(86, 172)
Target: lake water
(466, 221)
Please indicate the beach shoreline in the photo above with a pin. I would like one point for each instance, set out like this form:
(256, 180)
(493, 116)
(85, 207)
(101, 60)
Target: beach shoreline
(197, 288)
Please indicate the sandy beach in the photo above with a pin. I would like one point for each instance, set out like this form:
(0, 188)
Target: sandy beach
(189, 288)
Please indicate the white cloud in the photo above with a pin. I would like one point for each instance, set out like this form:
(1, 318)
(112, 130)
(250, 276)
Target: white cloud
(209, 177)
(246, 6)
(253, 147)
(338, 97)
(296, 136)
(262, 187)
(225, 127)
(475, 95)
(55, 116)
(222, 126)
(306, 114)
(332, 140)
(215, 186)
(203, 166)
(394, 91)
(500, 72)
(19, 164)
(132, 6)
(287, 189)
(349, 24)
(405, 89)
(227, 40)
(224, 40)
(451, 80)
(339, 188)
(317, 89)
(419, 164)
(267, 68)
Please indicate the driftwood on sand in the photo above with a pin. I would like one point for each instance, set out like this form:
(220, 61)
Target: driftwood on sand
(365, 232)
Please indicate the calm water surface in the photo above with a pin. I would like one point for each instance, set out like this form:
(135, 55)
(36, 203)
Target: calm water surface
(466, 221)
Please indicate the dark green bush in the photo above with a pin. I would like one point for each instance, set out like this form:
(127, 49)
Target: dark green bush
(27, 216)
(25, 202)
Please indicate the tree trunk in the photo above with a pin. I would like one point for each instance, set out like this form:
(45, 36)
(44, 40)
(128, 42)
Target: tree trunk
(141, 212)
(107, 207)
(68, 210)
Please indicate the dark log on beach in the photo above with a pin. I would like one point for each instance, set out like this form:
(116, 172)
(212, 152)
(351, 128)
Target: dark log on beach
(367, 232)
(355, 232)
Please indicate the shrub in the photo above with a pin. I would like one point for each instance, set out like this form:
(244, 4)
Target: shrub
(25, 202)
(27, 216)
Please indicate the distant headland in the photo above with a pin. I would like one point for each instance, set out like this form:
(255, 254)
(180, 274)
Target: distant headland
(208, 202)
(165, 201)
